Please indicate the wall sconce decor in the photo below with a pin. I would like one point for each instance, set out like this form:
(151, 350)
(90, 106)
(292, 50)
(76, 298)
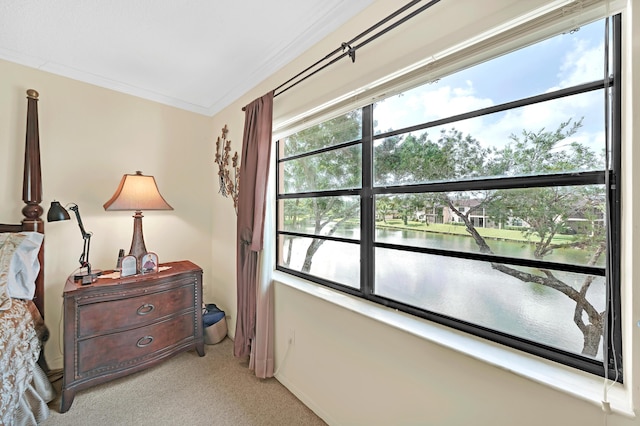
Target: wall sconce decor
(228, 183)
(56, 213)
(137, 192)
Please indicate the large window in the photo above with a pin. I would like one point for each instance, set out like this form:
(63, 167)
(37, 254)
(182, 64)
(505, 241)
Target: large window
(487, 200)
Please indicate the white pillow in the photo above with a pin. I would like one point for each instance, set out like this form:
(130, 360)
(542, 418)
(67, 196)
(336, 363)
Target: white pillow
(24, 267)
(9, 243)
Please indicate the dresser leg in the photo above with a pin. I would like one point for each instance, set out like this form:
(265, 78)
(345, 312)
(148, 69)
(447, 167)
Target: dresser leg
(200, 348)
(66, 400)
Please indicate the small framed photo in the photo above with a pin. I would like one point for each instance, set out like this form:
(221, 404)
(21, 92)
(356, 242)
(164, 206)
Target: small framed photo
(129, 266)
(149, 263)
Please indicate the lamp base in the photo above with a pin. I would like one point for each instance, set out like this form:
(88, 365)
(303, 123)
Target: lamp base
(138, 248)
(86, 279)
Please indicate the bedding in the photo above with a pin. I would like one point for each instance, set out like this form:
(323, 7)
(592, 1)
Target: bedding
(23, 392)
(21, 333)
(24, 266)
(19, 265)
(24, 387)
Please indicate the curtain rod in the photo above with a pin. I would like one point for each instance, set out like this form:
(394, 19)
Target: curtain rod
(351, 50)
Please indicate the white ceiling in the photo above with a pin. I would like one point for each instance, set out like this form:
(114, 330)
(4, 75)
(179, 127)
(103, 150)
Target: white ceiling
(198, 55)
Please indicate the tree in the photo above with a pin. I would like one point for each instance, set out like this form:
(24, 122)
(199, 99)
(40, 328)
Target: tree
(546, 212)
(337, 169)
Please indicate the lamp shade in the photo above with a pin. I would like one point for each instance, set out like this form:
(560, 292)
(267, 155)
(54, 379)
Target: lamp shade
(57, 212)
(137, 192)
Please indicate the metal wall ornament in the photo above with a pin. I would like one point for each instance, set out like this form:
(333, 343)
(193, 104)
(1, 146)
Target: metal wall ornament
(228, 183)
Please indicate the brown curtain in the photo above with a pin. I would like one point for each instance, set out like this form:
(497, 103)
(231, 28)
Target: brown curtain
(256, 150)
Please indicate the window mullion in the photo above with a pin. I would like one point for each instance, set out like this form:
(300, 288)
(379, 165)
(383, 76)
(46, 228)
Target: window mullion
(367, 216)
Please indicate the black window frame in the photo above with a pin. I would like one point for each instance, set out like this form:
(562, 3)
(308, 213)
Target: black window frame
(613, 346)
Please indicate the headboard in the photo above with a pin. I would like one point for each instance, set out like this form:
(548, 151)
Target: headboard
(32, 191)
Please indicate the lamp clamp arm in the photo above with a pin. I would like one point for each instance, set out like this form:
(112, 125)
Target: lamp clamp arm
(86, 235)
(84, 257)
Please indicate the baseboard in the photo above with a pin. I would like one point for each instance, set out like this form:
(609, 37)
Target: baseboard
(306, 400)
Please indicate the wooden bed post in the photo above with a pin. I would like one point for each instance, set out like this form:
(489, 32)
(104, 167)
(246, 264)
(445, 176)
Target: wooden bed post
(32, 188)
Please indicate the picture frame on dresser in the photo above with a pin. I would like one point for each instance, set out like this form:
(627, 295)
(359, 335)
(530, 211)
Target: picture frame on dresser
(128, 266)
(149, 263)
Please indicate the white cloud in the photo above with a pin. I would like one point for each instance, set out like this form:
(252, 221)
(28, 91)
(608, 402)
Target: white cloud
(447, 101)
(427, 103)
(582, 64)
(422, 105)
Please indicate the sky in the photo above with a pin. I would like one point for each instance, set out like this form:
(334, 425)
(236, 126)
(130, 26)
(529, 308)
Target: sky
(558, 62)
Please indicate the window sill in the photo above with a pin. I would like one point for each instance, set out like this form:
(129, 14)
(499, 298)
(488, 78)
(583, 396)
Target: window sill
(574, 382)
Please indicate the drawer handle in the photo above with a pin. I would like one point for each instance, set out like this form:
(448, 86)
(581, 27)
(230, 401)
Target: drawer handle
(144, 341)
(145, 309)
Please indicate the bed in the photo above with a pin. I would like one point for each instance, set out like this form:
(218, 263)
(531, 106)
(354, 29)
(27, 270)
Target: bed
(24, 387)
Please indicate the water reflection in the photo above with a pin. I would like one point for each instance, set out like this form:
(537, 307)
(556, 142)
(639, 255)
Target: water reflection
(473, 291)
(463, 243)
(468, 290)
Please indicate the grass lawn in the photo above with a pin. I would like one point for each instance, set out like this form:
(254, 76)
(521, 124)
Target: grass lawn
(492, 233)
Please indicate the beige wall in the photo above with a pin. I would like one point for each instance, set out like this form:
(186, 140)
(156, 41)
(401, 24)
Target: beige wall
(89, 138)
(355, 370)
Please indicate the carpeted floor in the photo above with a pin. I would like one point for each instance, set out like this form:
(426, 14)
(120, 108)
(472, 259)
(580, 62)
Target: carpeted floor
(217, 389)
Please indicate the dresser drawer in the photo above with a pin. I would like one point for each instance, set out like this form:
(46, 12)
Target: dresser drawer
(98, 318)
(118, 350)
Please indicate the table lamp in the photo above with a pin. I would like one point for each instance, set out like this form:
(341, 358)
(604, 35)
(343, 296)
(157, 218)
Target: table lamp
(137, 192)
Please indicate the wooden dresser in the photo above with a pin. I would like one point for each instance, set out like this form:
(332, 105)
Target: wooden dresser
(115, 327)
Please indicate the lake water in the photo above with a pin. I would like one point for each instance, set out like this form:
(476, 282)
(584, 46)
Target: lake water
(469, 290)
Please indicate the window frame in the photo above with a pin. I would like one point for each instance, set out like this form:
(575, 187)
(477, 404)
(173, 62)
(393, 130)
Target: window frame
(611, 178)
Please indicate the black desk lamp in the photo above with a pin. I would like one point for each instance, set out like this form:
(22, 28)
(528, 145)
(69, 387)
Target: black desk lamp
(57, 212)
